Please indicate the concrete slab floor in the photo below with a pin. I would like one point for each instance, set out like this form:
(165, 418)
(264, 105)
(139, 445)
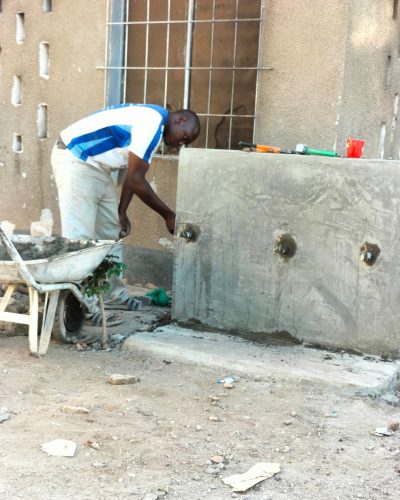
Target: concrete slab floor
(355, 374)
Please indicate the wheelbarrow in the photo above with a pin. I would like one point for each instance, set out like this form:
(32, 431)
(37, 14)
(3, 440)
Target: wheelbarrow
(57, 279)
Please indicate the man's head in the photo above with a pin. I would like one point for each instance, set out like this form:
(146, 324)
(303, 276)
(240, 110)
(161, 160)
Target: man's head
(182, 127)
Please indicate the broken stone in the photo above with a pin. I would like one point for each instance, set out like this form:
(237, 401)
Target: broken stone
(217, 459)
(98, 465)
(118, 379)
(74, 409)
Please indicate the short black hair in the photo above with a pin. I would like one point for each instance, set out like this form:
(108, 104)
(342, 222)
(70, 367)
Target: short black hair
(193, 118)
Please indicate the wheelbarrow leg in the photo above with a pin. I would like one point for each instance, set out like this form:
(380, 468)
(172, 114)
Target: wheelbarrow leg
(33, 320)
(6, 298)
(48, 321)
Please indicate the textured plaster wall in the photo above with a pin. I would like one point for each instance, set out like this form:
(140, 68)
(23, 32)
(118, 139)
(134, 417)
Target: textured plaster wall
(231, 278)
(75, 32)
(329, 77)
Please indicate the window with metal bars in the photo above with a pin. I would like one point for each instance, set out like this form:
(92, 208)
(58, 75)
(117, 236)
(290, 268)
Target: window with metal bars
(197, 54)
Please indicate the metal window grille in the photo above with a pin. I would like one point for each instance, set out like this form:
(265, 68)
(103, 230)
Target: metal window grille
(197, 54)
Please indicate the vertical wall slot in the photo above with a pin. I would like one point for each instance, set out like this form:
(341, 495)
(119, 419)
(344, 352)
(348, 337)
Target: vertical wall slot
(395, 110)
(17, 143)
(42, 121)
(389, 71)
(20, 35)
(395, 8)
(382, 141)
(47, 6)
(44, 59)
(16, 92)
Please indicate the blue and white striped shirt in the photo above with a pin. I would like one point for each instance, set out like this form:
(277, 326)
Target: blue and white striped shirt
(107, 136)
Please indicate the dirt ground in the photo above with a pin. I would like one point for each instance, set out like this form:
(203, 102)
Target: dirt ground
(156, 439)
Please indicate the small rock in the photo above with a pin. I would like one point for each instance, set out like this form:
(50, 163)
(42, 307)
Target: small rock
(150, 496)
(74, 409)
(393, 425)
(118, 379)
(117, 337)
(227, 386)
(79, 347)
(293, 414)
(212, 470)
(288, 422)
(173, 435)
(199, 428)
(92, 444)
(213, 418)
(217, 459)
(99, 465)
(286, 449)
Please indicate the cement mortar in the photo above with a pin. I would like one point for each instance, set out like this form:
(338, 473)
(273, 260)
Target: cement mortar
(44, 248)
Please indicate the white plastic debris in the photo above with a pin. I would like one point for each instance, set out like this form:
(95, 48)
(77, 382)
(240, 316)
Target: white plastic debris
(382, 431)
(4, 414)
(60, 448)
(259, 472)
(43, 227)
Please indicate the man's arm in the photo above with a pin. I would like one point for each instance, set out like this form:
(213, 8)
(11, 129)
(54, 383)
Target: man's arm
(135, 183)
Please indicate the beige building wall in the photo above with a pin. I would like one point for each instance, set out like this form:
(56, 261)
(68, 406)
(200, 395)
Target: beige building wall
(334, 74)
(75, 34)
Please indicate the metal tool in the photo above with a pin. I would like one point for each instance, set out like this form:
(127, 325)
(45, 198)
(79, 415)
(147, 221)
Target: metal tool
(261, 148)
(305, 150)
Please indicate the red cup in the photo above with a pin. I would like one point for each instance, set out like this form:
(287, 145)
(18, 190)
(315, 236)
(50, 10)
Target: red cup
(354, 148)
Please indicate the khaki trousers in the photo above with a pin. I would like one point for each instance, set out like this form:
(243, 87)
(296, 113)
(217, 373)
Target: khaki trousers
(88, 202)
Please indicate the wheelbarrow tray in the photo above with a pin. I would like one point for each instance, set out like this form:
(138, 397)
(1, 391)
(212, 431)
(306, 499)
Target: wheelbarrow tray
(61, 268)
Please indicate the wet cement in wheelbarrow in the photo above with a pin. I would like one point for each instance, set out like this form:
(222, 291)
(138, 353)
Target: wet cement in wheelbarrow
(43, 249)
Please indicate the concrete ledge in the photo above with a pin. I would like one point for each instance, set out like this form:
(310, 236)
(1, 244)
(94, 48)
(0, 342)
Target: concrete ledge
(235, 356)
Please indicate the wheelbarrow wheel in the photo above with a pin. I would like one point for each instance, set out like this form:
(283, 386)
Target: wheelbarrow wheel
(69, 318)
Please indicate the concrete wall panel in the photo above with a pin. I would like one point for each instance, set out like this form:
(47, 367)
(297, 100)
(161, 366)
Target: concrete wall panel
(230, 278)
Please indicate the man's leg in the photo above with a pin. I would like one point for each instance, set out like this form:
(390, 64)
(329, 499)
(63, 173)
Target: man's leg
(108, 228)
(80, 187)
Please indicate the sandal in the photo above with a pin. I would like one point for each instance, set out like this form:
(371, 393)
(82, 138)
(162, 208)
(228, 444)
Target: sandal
(130, 304)
(111, 319)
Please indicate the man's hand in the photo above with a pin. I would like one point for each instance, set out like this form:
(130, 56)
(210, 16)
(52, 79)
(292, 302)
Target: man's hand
(125, 225)
(170, 222)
